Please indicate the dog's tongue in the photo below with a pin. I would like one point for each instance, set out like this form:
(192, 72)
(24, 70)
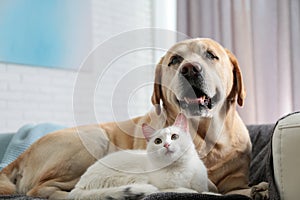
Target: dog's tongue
(200, 100)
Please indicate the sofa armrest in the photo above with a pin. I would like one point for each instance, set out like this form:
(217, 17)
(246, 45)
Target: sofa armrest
(286, 158)
(5, 138)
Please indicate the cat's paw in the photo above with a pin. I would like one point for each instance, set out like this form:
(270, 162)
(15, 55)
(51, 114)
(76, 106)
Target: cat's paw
(139, 190)
(260, 191)
(179, 190)
(132, 191)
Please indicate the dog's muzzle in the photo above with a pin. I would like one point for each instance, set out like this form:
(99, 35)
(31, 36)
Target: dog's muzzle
(194, 95)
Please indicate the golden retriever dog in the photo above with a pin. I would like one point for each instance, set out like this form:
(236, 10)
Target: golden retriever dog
(197, 77)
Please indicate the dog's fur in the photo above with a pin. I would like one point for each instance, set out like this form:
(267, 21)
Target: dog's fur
(53, 165)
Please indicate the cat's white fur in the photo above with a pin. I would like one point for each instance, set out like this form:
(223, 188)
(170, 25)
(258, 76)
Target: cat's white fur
(170, 164)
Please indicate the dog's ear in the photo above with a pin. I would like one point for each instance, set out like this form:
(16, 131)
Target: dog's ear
(157, 91)
(238, 84)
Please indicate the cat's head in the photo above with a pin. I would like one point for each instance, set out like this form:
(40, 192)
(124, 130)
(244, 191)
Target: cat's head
(168, 144)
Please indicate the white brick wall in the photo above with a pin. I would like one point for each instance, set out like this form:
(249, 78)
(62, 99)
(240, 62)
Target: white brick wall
(37, 94)
(109, 19)
(34, 94)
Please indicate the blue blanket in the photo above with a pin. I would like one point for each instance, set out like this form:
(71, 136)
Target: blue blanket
(25, 136)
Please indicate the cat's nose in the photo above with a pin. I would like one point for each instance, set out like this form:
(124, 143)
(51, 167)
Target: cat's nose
(166, 145)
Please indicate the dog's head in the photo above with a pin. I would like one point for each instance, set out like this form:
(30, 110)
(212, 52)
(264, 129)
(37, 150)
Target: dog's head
(197, 77)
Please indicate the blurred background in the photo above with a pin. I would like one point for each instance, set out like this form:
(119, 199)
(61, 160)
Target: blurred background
(44, 44)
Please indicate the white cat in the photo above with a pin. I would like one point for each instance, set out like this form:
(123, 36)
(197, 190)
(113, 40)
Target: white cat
(170, 164)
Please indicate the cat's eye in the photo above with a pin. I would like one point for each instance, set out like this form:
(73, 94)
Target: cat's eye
(174, 137)
(157, 141)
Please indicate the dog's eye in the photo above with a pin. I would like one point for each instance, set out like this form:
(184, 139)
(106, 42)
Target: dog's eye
(175, 60)
(210, 55)
(157, 141)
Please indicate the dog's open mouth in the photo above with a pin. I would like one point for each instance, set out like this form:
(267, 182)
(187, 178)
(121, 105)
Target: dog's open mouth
(202, 101)
(195, 100)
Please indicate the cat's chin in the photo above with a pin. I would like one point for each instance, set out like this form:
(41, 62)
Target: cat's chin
(171, 156)
(169, 152)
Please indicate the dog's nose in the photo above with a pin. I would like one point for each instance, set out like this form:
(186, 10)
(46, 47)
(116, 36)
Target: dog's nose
(190, 69)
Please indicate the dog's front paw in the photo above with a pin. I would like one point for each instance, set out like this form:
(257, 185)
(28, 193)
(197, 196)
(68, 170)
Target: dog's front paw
(260, 191)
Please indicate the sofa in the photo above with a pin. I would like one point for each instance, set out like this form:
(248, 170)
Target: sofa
(285, 157)
(274, 157)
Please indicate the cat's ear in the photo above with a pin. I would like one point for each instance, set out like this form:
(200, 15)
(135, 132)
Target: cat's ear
(148, 131)
(181, 122)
